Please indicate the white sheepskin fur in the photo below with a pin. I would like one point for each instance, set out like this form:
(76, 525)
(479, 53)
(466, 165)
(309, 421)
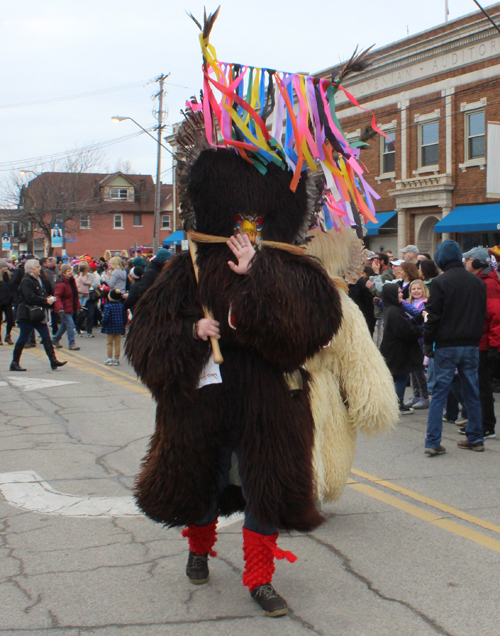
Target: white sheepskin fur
(352, 389)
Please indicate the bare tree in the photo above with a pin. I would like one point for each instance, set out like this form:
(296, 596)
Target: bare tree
(124, 166)
(55, 193)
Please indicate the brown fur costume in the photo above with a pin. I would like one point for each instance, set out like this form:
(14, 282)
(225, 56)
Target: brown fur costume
(286, 309)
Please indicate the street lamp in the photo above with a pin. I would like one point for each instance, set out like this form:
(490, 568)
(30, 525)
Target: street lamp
(156, 216)
(61, 197)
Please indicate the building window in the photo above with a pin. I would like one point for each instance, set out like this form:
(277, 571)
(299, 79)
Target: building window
(474, 131)
(118, 221)
(137, 219)
(429, 144)
(165, 222)
(84, 221)
(118, 193)
(388, 163)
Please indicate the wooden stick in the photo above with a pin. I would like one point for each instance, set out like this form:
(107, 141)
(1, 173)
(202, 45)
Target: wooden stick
(218, 359)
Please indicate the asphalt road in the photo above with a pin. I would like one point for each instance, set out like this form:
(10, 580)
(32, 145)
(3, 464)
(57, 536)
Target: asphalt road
(411, 549)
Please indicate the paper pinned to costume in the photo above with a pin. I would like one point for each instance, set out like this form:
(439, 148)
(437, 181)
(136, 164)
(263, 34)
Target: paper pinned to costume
(210, 373)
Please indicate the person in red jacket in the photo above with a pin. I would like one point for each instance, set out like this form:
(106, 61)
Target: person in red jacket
(478, 262)
(66, 305)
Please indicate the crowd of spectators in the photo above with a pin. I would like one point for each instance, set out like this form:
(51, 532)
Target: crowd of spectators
(71, 295)
(437, 323)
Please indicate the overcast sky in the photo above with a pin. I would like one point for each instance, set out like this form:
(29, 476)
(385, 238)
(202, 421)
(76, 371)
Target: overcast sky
(61, 48)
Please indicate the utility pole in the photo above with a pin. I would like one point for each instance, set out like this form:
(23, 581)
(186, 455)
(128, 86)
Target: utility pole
(446, 10)
(157, 208)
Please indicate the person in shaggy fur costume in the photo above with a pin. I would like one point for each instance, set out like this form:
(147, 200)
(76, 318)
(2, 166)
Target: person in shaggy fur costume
(284, 309)
(351, 387)
(249, 286)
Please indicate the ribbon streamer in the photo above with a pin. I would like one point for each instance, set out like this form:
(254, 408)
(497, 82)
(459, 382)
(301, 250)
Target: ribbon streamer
(304, 131)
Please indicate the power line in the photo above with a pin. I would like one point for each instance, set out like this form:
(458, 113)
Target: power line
(102, 91)
(33, 161)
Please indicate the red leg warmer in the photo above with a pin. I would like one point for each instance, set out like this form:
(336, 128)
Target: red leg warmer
(259, 552)
(201, 538)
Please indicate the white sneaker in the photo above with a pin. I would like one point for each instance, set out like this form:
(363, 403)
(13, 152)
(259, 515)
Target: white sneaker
(116, 363)
(108, 362)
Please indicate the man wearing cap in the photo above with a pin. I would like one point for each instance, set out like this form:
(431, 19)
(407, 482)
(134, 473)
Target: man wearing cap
(456, 311)
(477, 261)
(410, 253)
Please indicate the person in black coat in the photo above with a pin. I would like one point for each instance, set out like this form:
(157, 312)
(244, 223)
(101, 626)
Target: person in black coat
(135, 276)
(400, 346)
(6, 297)
(150, 275)
(34, 298)
(363, 298)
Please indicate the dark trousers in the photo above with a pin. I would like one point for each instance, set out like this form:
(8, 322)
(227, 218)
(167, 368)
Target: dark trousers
(6, 310)
(27, 330)
(400, 382)
(419, 384)
(54, 319)
(454, 399)
(251, 522)
(87, 314)
(486, 393)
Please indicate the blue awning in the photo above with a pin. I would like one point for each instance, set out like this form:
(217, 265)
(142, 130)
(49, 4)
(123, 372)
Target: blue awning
(382, 218)
(471, 218)
(174, 239)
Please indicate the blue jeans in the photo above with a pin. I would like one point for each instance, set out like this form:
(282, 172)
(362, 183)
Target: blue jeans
(446, 360)
(251, 522)
(68, 325)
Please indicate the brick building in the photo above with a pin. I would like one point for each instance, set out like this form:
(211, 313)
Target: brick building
(101, 211)
(437, 96)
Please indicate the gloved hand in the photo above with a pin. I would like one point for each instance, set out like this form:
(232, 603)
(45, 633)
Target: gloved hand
(493, 355)
(428, 350)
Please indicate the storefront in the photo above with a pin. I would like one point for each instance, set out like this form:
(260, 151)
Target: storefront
(472, 225)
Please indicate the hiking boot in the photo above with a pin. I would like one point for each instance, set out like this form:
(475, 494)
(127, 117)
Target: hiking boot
(56, 344)
(74, 348)
(489, 435)
(271, 602)
(197, 568)
(405, 410)
(466, 445)
(8, 339)
(440, 450)
(423, 403)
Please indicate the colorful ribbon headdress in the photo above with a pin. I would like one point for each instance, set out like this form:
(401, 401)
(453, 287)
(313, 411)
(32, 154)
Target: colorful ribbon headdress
(288, 119)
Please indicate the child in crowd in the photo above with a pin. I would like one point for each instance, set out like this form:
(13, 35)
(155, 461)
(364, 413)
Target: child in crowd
(399, 346)
(113, 325)
(417, 298)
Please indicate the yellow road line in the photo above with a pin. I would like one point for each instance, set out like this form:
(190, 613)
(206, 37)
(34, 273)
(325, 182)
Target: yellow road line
(103, 373)
(110, 369)
(430, 517)
(455, 512)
